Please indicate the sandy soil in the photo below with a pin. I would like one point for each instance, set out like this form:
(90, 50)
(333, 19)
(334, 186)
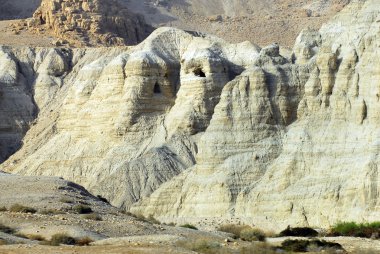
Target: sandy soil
(24, 38)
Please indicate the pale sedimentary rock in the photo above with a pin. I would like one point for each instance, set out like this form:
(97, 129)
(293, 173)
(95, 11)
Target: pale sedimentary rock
(122, 121)
(260, 163)
(90, 22)
(201, 129)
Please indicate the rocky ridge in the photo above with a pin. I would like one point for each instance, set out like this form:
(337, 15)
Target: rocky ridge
(202, 129)
(88, 23)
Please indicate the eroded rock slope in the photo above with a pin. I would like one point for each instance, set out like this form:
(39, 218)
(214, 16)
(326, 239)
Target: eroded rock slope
(89, 23)
(198, 128)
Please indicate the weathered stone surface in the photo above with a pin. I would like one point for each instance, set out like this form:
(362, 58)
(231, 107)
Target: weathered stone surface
(90, 23)
(122, 121)
(210, 130)
(260, 163)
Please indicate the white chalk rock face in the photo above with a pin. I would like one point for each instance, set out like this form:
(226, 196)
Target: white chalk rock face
(188, 128)
(294, 146)
(123, 121)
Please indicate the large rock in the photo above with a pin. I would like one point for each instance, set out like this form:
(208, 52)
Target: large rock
(90, 23)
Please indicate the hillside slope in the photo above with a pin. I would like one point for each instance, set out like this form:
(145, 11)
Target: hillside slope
(261, 22)
(187, 127)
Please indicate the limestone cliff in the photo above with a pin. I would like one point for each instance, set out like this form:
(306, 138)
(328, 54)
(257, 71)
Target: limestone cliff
(201, 129)
(291, 147)
(122, 121)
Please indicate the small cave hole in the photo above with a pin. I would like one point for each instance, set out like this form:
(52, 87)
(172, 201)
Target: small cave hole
(199, 73)
(156, 89)
(42, 21)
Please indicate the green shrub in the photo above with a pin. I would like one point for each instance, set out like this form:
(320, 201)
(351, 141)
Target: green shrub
(367, 230)
(189, 226)
(252, 234)
(299, 231)
(307, 245)
(141, 217)
(6, 229)
(244, 232)
(295, 245)
(59, 239)
(17, 208)
(3, 209)
(3, 242)
(93, 216)
(82, 209)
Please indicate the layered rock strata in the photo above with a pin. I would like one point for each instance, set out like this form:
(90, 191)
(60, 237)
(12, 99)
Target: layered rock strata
(90, 22)
(122, 121)
(292, 147)
(201, 129)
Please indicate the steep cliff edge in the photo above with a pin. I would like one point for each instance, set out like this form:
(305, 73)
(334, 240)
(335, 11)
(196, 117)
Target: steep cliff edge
(201, 129)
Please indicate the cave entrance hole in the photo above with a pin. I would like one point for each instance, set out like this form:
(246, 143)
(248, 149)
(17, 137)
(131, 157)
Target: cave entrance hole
(157, 88)
(199, 73)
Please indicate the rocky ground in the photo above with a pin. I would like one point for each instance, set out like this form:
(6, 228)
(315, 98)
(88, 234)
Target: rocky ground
(115, 232)
(55, 201)
(261, 22)
(9, 36)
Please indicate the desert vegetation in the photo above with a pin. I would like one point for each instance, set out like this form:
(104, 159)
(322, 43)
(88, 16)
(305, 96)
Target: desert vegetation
(189, 226)
(66, 200)
(310, 246)
(66, 239)
(299, 231)
(366, 230)
(82, 209)
(210, 246)
(6, 229)
(244, 232)
(17, 208)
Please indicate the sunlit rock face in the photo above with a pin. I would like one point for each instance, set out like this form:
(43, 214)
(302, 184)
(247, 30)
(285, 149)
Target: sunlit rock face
(121, 121)
(186, 127)
(89, 23)
(291, 144)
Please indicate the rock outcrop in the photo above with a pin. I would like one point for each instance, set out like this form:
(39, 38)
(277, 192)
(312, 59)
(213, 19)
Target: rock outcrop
(291, 147)
(122, 121)
(201, 129)
(89, 22)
